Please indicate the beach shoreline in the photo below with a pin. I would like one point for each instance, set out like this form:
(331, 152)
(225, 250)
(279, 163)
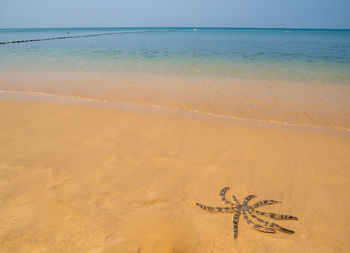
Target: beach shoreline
(291, 103)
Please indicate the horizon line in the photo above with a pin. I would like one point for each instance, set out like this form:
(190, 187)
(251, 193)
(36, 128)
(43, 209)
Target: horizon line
(203, 27)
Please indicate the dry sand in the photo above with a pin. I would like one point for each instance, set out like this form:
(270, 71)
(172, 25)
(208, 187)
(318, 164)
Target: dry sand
(90, 178)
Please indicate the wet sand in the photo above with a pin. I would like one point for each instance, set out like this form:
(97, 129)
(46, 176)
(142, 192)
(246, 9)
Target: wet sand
(84, 177)
(284, 102)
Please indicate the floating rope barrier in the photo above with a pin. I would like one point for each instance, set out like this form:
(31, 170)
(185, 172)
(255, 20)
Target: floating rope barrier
(83, 36)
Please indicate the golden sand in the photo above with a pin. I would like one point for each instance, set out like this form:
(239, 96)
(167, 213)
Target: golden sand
(89, 178)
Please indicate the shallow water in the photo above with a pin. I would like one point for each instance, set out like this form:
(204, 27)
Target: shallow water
(294, 76)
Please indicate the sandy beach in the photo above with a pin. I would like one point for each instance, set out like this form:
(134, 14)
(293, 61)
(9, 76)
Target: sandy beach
(174, 126)
(80, 176)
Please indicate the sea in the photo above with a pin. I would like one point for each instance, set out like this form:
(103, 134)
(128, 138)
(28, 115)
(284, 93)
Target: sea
(287, 76)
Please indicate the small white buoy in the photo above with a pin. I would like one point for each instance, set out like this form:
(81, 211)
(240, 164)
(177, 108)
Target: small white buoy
(195, 30)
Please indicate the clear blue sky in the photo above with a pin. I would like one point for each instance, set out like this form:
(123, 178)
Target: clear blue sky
(226, 13)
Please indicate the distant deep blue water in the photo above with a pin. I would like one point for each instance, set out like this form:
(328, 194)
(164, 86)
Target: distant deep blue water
(305, 55)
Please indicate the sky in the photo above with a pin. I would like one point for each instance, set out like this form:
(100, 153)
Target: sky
(175, 13)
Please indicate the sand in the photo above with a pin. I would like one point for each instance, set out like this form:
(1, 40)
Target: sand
(85, 177)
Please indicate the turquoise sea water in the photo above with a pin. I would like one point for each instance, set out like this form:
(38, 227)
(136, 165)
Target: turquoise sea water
(321, 56)
(286, 76)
